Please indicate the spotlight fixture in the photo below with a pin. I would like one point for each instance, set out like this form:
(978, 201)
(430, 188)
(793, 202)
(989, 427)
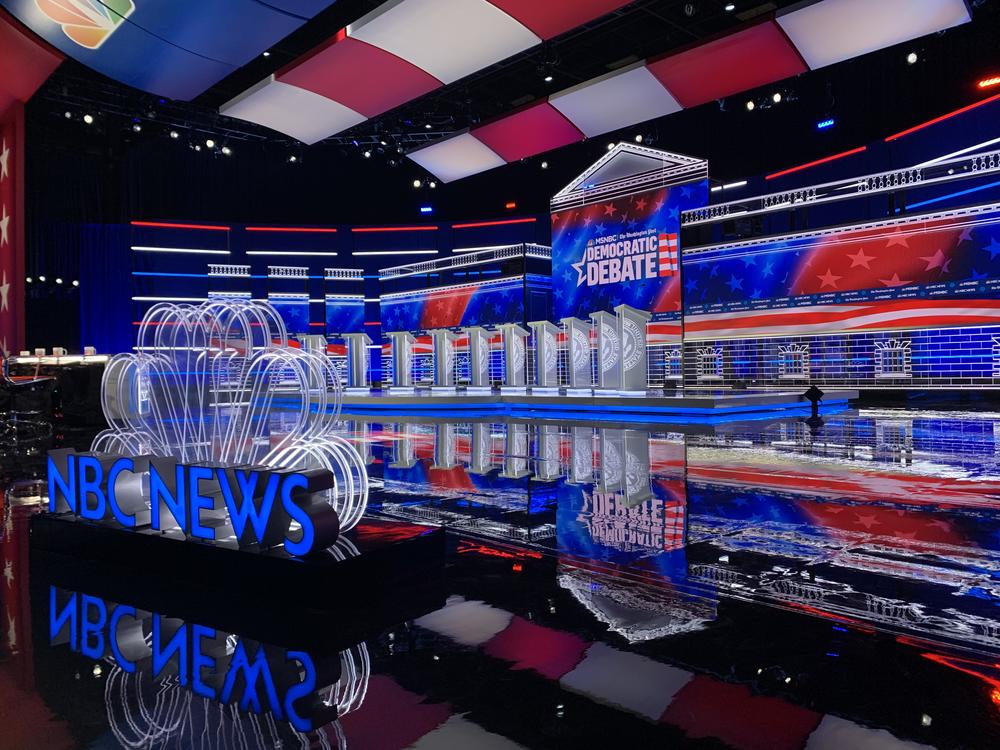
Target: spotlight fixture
(544, 165)
(41, 278)
(638, 138)
(68, 115)
(776, 97)
(89, 119)
(292, 159)
(548, 79)
(226, 151)
(428, 126)
(76, 282)
(137, 128)
(27, 280)
(610, 146)
(209, 143)
(367, 154)
(266, 53)
(432, 184)
(174, 135)
(730, 7)
(383, 144)
(690, 9)
(509, 205)
(58, 280)
(912, 58)
(197, 147)
(750, 105)
(990, 82)
(417, 183)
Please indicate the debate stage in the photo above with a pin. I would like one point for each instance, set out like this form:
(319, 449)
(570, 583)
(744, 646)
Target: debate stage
(649, 407)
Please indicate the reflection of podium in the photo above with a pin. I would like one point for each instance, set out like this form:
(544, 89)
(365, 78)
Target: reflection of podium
(357, 361)
(546, 356)
(444, 446)
(548, 461)
(581, 457)
(625, 465)
(481, 453)
(479, 358)
(403, 456)
(515, 357)
(632, 340)
(444, 358)
(577, 333)
(608, 351)
(402, 360)
(515, 463)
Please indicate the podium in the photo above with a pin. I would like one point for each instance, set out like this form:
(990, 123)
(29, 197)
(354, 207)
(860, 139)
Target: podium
(403, 452)
(581, 460)
(357, 362)
(515, 357)
(625, 466)
(548, 463)
(402, 360)
(444, 446)
(479, 359)
(632, 339)
(577, 333)
(444, 358)
(546, 356)
(608, 351)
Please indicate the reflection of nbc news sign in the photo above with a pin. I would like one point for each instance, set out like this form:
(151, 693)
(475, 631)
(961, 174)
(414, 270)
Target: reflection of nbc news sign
(616, 259)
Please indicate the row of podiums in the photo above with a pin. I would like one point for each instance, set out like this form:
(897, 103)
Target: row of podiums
(618, 339)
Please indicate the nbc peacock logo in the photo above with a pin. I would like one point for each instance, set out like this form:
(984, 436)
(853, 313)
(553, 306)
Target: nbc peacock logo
(88, 23)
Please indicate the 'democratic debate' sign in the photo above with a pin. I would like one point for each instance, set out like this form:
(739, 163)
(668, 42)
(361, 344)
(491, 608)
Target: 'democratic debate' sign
(219, 432)
(622, 251)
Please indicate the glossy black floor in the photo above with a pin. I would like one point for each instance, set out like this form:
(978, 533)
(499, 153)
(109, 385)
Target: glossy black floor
(760, 584)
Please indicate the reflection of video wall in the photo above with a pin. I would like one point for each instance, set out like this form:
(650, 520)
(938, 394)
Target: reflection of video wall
(344, 314)
(294, 311)
(482, 303)
(897, 303)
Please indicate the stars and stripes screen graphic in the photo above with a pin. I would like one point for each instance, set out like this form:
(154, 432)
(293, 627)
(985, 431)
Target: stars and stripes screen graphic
(921, 272)
(622, 251)
(9, 234)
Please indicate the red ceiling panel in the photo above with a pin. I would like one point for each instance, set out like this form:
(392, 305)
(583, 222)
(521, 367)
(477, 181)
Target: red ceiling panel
(753, 57)
(25, 61)
(358, 75)
(549, 18)
(530, 131)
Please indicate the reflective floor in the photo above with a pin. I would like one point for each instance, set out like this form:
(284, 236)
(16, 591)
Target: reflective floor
(764, 584)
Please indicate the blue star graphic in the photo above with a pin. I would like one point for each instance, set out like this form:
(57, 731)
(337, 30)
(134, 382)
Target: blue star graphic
(993, 248)
(749, 260)
(768, 268)
(735, 283)
(691, 284)
(674, 213)
(714, 271)
(975, 276)
(756, 294)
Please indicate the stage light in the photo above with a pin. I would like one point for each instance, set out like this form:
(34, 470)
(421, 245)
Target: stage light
(383, 143)
(41, 278)
(267, 54)
(209, 143)
(226, 151)
(137, 128)
(776, 97)
(428, 126)
(76, 282)
(510, 205)
(197, 147)
(730, 7)
(990, 82)
(610, 146)
(28, 280)
(292, 159)
(58, 280)
(824, 124)
(638, 138)
(912, 58)
(426, 209)
(432, 184)
(417, 183)
(174, 135)
(69, 115)
(544, 165)
(750, 105)
(367, 154)
(548, 79)
(89, 119)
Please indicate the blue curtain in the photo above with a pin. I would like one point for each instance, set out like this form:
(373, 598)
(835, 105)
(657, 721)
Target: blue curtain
(105, 288)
